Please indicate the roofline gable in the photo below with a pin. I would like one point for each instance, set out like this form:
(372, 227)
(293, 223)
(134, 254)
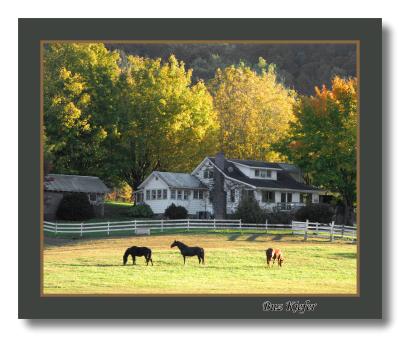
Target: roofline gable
(228, 177)
(200, 165)
(154, 173)
(255, 167)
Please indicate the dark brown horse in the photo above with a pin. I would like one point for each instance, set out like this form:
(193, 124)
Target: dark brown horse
(189, 251)
(274, 254)
(138, 251)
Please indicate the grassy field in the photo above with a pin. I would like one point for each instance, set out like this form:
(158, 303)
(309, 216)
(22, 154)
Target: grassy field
(235, 264)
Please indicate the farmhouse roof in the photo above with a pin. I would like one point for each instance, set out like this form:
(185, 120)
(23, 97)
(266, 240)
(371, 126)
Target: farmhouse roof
(256, 163)
(74, 183)
(177, 180)
(284, 179)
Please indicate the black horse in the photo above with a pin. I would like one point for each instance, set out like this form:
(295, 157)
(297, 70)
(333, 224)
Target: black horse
(138, 251)
(189, 251)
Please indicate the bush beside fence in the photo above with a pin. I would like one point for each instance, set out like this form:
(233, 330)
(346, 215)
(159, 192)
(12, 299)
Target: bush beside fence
(307, 229)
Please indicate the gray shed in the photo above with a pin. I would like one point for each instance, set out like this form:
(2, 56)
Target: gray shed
(56, 185)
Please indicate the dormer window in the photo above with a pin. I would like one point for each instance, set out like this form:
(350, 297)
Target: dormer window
(263, 173)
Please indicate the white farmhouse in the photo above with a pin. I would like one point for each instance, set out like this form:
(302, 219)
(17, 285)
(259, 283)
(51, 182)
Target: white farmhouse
(216, 186)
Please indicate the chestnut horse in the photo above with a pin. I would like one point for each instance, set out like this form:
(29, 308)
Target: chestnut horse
(274, 254)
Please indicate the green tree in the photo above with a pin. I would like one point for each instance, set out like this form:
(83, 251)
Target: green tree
(254, 110)
(80, 107)
(164, 121)
(323, 140)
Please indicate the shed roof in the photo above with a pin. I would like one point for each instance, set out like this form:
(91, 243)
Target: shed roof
(74, 183)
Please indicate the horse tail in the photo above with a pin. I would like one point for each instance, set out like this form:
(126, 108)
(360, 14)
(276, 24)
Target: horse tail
(125, 258)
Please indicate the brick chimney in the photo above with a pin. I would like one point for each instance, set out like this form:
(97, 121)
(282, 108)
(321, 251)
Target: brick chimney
(219, 200)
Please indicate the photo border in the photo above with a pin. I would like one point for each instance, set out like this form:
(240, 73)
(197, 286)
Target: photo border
(34, 32)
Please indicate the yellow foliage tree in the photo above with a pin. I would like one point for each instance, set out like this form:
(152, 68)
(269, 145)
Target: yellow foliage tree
(254, 110)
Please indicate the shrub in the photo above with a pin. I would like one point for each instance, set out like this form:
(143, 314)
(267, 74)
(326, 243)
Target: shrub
(280, 217)
(315, 212)
(75, 206)
(176, 212)
(250, 211)
(141, 211)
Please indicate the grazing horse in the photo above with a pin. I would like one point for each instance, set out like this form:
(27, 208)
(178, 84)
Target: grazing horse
(189, 251)
(274, 254)
(138, 251)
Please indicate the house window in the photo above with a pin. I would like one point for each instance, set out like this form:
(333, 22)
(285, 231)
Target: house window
(147, 194)
(93, 197)
(179, 195)
(139, 197)
(159, 194)
(198, 194)
(208, 174)
(268, 196)
(286, 197)
(153, 194)
(164, 194)
(186, 195)
(232, 195)
(263, 173)
(248, 194)
(173, 194)
(305, 198)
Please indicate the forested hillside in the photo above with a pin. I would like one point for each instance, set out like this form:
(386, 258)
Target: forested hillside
(300, 66)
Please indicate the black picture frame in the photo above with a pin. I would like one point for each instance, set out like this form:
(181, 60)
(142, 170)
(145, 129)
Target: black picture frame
(368, 33)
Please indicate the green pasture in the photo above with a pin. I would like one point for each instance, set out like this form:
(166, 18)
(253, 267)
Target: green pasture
(235, 264)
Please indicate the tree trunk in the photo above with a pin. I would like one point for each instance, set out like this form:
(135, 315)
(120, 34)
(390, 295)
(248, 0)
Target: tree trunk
(348, 212)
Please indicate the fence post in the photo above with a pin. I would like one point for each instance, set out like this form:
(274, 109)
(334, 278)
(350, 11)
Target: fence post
(266, 226)
(134, 224)
(292, 228)
(332, 226)
(162, 225)
(214, 224)
(188, 225)
(56, 228)
(342, 230)
(306, 231)
(108, 228)
(316, 227)
(240, 225)
(81, 229)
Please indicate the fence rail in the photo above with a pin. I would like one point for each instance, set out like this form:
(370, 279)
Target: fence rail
(307, 229)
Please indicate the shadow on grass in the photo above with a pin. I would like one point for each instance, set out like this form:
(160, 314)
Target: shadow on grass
(233, 237)
(346, 255)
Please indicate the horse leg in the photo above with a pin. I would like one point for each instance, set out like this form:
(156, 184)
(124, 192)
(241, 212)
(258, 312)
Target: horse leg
(198, 256)
(184, 259)
(151, 260)
(134, 259)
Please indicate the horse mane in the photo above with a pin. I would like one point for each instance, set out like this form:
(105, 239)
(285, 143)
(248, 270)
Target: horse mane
(181, 244)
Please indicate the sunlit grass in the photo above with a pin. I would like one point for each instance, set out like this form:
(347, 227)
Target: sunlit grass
(235, 264)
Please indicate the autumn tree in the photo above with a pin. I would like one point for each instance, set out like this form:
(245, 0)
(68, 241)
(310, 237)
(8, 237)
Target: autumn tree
(80, 107)
(323, 140)
(254, 110)
(164, 121)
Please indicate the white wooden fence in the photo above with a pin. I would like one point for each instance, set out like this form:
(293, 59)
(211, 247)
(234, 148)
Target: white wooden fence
(307, 229)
